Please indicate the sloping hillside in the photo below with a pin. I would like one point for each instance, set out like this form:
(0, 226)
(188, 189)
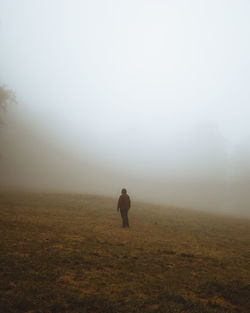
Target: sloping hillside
(68, 253)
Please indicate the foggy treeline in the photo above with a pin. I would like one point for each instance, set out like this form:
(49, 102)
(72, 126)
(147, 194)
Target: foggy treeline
(198, 172)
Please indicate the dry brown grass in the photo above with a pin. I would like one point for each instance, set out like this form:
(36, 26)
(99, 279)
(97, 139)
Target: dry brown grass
(68, 253)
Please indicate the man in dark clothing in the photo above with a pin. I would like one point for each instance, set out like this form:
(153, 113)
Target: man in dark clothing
(124, 206)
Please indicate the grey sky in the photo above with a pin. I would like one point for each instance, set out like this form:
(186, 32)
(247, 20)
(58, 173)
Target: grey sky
(139, 85)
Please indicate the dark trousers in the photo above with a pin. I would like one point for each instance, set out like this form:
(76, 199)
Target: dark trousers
(124, 214)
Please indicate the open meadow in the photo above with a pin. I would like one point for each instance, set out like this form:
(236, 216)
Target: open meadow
(68, 253)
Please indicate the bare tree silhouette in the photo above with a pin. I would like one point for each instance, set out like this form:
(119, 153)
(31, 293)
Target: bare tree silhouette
(6, 97)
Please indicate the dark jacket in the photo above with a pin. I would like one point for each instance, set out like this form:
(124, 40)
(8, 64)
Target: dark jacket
(123, 202)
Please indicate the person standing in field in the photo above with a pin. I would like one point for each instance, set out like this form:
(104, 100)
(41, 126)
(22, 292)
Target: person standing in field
(124, 205)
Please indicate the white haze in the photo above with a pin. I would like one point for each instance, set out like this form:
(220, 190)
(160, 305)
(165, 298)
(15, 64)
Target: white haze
(149, 95)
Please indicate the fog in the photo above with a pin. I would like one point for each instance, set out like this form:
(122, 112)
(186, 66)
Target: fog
(149, 95)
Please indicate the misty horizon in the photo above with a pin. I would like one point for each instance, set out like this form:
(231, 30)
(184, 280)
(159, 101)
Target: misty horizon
(151, 96)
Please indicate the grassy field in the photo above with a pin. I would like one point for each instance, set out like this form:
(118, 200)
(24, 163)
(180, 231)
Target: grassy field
(68, 253)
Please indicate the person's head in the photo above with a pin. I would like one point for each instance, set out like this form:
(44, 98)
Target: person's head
(124, 191)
